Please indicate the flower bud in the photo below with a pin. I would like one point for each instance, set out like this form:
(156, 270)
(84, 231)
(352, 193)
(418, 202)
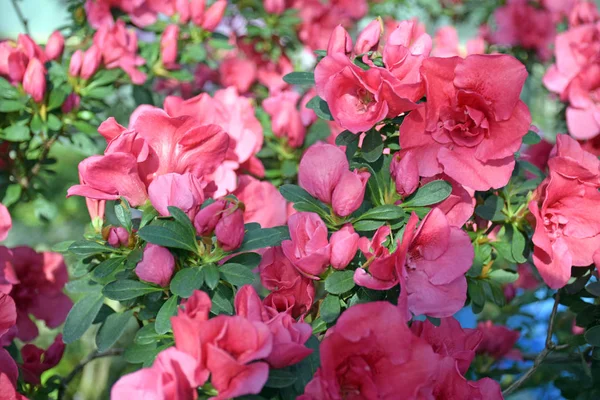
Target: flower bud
(168, 46)
(157, 265)
(349, 192)
(321, 169)
(34, 81)
(197, 11)
(368, 39)
(308, 250)
(182, 7)
(55, 46)
(344, 244)
(75, 64)
(339, 41)
(405, 171)
(214, 15)
(230, 229)
(207, 218)
(91, 62)
(71, 103)
(118, 236)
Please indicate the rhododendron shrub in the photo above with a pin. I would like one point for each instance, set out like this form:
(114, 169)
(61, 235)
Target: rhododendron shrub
(284, 206)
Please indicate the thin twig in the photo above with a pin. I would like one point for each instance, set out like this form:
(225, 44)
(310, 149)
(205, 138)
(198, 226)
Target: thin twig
(549, 348)
(93, 356)
(21, 16)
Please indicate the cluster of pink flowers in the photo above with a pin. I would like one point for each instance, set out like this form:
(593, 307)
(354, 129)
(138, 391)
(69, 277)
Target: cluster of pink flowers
(372, 353)
(236, 352)
(575, 76)
(567, 232)
(23, 62)
(146, 12)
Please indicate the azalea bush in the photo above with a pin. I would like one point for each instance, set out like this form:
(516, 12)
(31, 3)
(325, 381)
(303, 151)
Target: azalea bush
(304, 199)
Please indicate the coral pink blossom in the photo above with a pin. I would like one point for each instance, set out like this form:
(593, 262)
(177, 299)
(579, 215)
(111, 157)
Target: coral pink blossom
(230, 228)
(157, 265)
(170, 377)
(460, 205)
(567, 230)
(320, 18)
(155, 144)
(522, 24)
(226, 347)
(498, 341)
(118, 47)
(8, 313)
(184, 191)
(381, 273)
(141, 12)
(291, 292)
(235, 115)
(117, 237)
(5, 222)
(446, 44)
(285, 117)
(289, 336)
(456, 348)
(9, 374)
(262, 202)
(473, 121)
(15, 57)
(434, 259)
(308, 250)
(371, 353)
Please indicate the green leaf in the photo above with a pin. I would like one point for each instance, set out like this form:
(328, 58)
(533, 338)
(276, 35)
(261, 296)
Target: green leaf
(54, 123)
(123, 214)
(236, 274)
(81, 316)
(330, 308)
(15, 133)
(183, 220)
(531, 138)
(372, 147)
(491, 209)
(140, 353)
(386, 212)
(300, 78)
(100, 92)
(186, 281)
(476, 292)
(142, 95)
(62, 247)
(58, 96)
(127, 289)
(146, 334)
(103, 314)
(107, 267)
(8, 91)
(85, 248)
(163, 318)
(221, 300)
(320, 107)
(7, 106)
(503, 276)
(305, 369)
(318, 131)
(261, 238)
(169, 234)
(367, 225)
(85, 127)
(302, 200)
(112, 329)
(12, 194)
(249, 260)
(279, 378)
(339, 282)
(211, 275)
(517, 244)
(593, 289)
(592, 336)
(345, 138)
(431, 193)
